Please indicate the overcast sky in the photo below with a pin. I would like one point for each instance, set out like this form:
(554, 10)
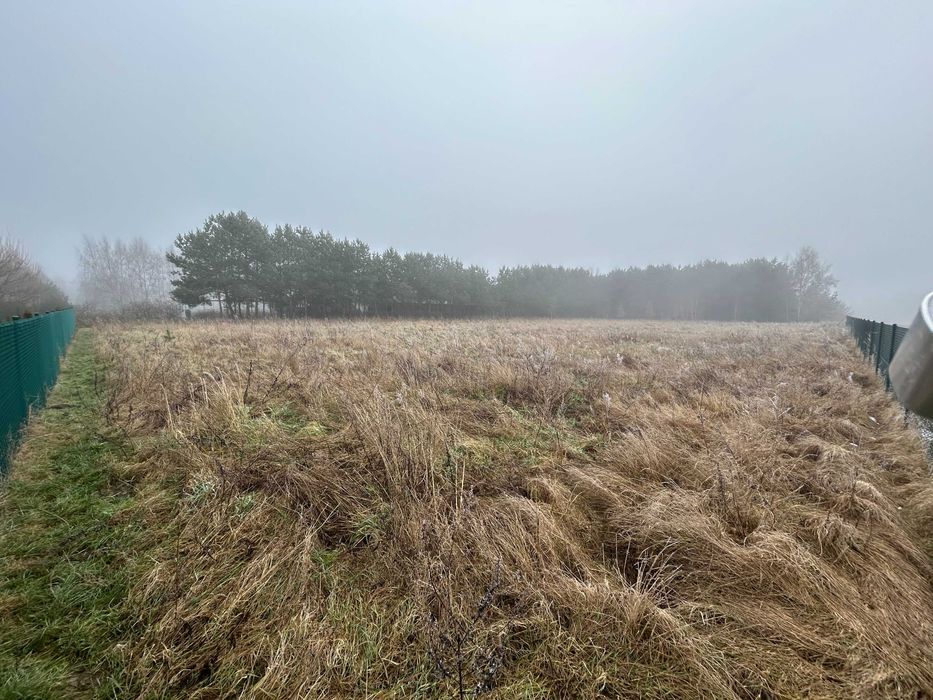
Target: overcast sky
(595, 134)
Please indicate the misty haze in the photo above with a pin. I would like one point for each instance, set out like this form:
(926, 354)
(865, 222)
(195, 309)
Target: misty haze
(446, 350)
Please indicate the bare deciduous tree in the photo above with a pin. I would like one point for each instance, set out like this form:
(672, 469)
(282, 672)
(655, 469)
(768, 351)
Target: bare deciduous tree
(814, 287)
(24, 288)
(120, 277)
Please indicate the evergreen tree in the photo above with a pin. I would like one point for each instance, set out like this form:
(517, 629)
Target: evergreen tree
(222, 261)
(234, 261)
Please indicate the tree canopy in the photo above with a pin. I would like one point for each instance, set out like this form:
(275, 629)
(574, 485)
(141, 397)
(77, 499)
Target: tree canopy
(235, 261)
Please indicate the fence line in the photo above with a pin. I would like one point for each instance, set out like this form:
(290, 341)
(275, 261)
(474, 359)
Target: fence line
(878, 342)
(30, 353)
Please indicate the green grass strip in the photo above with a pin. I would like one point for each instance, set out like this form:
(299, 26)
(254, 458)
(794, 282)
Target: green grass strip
(63, 547)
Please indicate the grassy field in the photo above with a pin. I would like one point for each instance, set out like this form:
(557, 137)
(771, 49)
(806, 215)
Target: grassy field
(533, 509)
(64, 547)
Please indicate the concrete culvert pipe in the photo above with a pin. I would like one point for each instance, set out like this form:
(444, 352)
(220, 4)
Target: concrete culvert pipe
(911, 369)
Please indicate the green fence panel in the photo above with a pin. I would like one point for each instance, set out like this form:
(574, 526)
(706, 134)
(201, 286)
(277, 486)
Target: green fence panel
(878, 342)
(30, 353)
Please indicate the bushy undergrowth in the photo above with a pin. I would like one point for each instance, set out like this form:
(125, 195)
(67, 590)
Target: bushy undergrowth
(529, 509)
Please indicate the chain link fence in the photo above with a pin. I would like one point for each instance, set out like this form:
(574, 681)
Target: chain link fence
(30, 352)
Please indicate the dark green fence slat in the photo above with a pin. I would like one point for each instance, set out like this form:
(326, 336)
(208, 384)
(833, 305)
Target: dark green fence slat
(30, 353)
(878, 342)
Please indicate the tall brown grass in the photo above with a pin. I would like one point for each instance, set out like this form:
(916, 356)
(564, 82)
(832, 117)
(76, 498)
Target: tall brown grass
(531, 509)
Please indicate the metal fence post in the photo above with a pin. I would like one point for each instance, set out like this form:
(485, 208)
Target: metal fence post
(19, 365)
(878, 352)
(887, 371)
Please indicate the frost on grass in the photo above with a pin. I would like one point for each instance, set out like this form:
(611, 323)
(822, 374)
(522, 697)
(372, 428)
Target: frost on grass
(525, 509)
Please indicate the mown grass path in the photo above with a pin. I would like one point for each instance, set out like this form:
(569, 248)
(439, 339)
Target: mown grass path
(63, 546)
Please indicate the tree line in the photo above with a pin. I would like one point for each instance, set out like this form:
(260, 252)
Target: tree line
(236, 264)
(24, 287)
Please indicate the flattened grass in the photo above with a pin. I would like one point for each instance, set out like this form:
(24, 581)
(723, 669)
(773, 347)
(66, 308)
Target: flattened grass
(63, 547)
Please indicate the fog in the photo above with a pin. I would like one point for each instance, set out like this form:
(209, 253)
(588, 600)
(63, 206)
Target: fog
(596, 134)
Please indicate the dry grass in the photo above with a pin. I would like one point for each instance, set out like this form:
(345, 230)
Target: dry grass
(547, 509)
